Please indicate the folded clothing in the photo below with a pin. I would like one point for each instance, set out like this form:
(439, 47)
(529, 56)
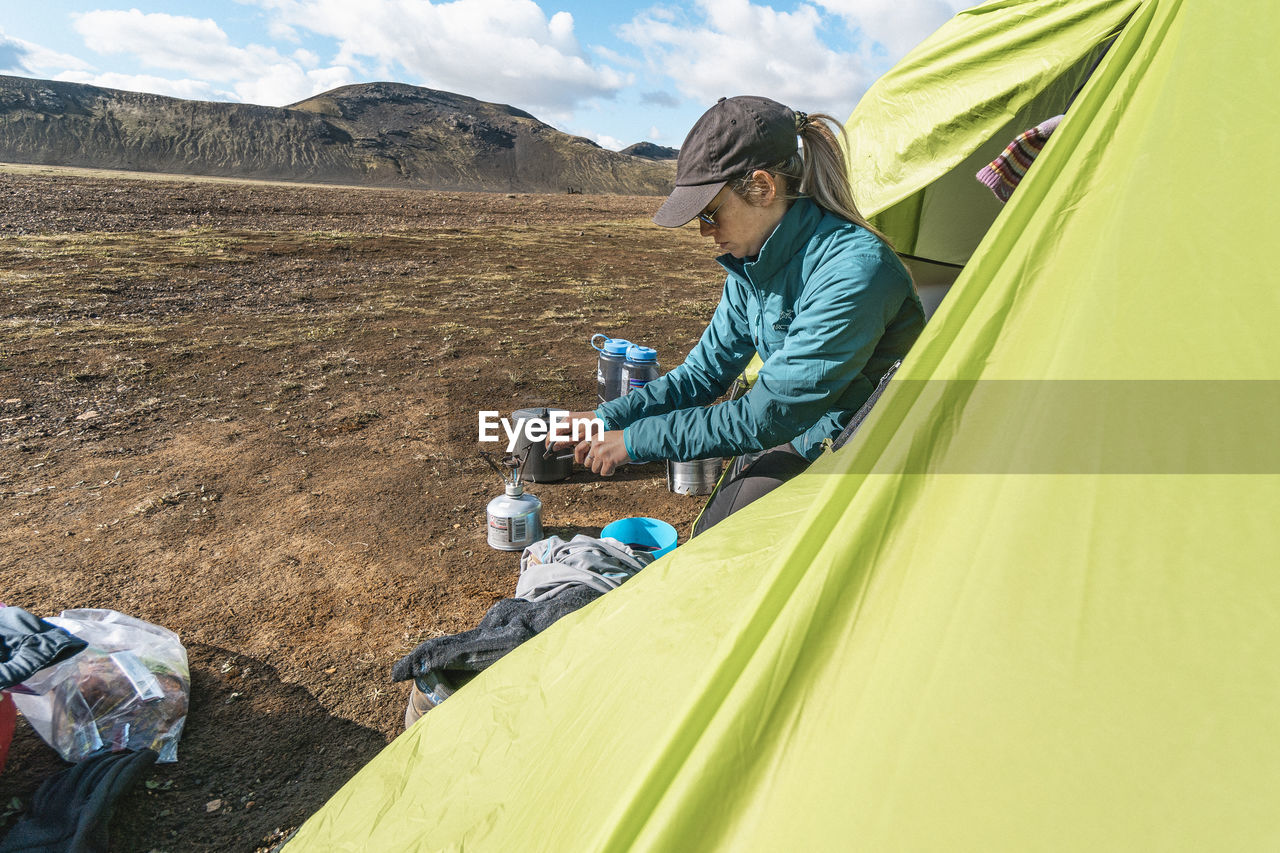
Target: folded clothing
(550, 566)
(1005, 172)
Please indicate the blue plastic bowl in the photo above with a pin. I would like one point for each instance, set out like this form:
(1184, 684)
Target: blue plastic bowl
(649, 534)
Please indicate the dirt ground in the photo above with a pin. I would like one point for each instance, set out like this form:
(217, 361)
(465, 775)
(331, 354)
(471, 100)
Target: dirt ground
(248, 413)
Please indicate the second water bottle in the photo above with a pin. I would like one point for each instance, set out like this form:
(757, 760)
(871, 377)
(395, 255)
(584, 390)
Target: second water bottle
(640, 368)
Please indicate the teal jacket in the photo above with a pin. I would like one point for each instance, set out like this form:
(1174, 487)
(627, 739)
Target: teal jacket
(828, 306)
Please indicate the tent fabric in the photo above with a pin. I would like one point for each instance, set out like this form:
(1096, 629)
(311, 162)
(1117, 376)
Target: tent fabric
(1031, 606)
(963, 85)
(924, 129)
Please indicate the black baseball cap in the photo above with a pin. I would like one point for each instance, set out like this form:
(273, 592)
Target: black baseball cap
(733, 137)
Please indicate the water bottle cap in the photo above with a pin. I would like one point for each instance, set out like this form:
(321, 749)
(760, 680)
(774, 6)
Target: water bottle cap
(612, 346)
(640, 354)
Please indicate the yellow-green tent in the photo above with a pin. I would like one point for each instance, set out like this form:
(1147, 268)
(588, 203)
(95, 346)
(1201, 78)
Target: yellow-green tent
(1035, 603)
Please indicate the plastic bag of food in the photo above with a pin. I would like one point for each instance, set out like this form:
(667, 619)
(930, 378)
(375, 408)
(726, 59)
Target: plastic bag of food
(127, 690)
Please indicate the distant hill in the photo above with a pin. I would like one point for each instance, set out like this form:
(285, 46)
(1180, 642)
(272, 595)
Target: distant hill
(377, 134)
(652, 152)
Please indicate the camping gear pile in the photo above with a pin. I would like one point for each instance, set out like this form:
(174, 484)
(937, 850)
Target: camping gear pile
(109, 693)
(127, 689)
(1032, 602)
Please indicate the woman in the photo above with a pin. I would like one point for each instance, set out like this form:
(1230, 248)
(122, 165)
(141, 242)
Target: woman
(811, 287)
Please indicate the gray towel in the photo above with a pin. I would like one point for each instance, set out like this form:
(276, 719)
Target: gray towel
(548, 567)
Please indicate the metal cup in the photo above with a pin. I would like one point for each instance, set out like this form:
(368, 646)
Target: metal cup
(698, 477)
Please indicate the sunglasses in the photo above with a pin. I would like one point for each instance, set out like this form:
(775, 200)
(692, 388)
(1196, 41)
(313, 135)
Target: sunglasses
(710, 218)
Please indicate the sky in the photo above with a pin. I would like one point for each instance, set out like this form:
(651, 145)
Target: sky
(614, 71)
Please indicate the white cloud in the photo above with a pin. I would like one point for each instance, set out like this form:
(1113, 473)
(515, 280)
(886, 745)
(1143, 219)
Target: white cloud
(898, 25)
(614, 58)
(199, 49)
(499, 50)
(560, 28)
(195, 90)
(288, 84)
(23, 57)
(195, 46)
(606, 141)
(734, 47)
(283, 32)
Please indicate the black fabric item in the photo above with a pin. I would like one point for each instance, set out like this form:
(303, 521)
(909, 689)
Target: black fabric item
(504, 626)
(750, 477)
(855, 423)
(70, 811)
(28, 644)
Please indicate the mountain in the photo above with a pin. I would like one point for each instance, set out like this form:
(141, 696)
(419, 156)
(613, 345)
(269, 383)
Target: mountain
(376, 134)
(651, 152)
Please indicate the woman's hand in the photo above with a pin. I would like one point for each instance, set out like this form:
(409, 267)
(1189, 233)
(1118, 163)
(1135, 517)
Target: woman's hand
(583, 422)
(602, 455)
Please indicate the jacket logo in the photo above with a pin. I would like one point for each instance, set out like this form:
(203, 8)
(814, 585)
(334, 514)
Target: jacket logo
(784, 321)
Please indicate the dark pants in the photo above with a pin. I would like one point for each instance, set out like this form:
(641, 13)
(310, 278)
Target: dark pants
(750, 476)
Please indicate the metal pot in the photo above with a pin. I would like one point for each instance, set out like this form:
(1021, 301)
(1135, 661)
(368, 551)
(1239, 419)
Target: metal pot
(698, 477)
(540, 465)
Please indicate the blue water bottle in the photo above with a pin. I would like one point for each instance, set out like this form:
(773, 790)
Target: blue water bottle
(613, 356)
(640, 368)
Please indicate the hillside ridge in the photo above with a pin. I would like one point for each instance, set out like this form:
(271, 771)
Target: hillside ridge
(370, 134)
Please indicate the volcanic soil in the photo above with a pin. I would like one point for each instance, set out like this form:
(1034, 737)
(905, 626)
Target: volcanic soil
(248, 413)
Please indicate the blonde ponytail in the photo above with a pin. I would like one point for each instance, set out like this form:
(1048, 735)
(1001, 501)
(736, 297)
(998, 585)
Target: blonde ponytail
(818, 170)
